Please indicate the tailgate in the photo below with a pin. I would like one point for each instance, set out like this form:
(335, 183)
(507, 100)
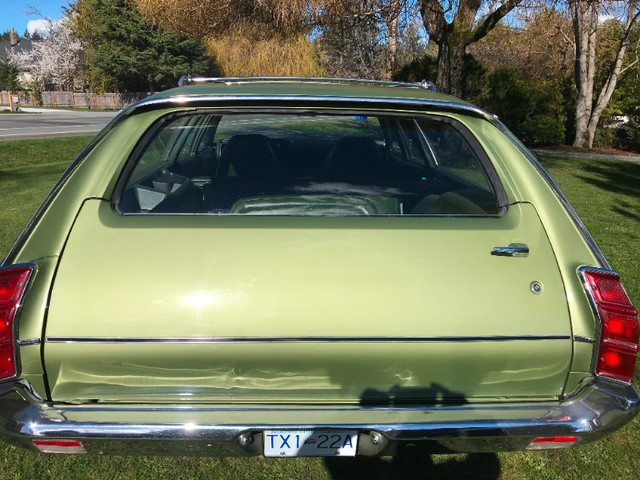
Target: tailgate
(305, 309)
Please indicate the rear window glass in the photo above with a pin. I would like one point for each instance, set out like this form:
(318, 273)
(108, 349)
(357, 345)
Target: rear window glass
(308, 164)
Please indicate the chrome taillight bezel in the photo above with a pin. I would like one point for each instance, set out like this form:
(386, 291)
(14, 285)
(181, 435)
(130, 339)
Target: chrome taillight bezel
(16, 316)
(595, 307)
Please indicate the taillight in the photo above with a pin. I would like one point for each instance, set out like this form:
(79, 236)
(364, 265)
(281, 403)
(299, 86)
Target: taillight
(13, 282)
(552, 443)
(59, 446)
(619, 330)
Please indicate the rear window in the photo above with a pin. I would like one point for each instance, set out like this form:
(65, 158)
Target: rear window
(267, 163)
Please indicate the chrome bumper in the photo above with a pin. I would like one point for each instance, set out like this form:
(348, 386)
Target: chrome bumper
(599, 408)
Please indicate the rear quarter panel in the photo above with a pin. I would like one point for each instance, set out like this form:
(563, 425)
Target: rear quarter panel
(571, 250)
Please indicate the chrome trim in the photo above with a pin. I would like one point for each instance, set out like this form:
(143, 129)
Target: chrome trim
(443, 339)
(188, 101)
(597, 409)
(189, 80)
(16, 316)
(594, 309)
(581, 339)
(28, 341)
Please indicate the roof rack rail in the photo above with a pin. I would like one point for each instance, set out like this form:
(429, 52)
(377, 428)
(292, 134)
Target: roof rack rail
(189, 80)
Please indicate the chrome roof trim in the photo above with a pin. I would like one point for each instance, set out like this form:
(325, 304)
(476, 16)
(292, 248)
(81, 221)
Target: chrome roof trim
(319, 339)
(189, 80)
(190, 100)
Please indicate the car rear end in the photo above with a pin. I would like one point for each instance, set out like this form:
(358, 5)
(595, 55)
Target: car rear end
(310, 270)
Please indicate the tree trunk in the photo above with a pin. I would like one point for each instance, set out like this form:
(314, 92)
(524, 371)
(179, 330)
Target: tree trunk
(454, 37)
(449, 67)
(392, 26)
(585, 23)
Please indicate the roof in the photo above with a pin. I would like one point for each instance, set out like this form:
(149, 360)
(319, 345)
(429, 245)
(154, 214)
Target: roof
(305, 91)
(22, 46)
(304, 86)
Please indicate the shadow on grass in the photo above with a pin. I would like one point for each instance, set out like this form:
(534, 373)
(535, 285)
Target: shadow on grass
(620, 178)
(616, 177)
(415, 463)
(28, 174)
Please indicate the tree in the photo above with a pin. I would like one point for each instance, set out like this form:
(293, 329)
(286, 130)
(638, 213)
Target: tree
(538, 49)
(585, 18)
(125, 52)
(246, 37)
(368, 38)
(57, 59)
(203, 18)
(352, 39)
(8, 76)
(453, 27)
(358, 37)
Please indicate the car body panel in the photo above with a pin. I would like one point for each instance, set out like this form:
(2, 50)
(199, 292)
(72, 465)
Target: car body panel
(302, 278)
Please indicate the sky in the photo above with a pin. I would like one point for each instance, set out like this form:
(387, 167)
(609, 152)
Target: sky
(16, 13)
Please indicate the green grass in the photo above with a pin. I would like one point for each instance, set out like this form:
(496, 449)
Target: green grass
(606, 195)
(28, 170)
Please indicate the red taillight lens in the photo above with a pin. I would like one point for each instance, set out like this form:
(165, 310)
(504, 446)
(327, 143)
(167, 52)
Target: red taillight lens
(552, 443)
(59, 446)
(620, 331)
(13, 282)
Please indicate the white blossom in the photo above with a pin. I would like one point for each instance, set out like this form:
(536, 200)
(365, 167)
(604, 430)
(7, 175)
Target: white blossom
(57, 59)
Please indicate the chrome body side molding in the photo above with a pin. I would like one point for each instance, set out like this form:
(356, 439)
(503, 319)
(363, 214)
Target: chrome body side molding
(598, 408)
(581, 339)
(449, 339)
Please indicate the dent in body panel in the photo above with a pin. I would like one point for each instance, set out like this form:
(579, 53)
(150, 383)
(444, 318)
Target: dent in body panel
(306, 373)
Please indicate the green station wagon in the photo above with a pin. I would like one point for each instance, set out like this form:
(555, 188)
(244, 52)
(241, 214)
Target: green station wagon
(309, 267)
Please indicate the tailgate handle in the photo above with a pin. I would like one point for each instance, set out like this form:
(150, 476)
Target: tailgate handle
(513, 250)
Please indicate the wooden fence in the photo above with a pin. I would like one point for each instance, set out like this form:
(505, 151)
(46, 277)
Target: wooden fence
(98, 101)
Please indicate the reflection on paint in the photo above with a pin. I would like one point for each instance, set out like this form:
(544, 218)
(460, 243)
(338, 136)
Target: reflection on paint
(200, 300)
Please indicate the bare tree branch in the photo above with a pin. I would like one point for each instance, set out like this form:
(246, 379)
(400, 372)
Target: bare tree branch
(492, 20)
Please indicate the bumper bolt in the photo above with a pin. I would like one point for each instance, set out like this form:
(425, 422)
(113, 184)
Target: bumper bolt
(245, 440)
(376, 438)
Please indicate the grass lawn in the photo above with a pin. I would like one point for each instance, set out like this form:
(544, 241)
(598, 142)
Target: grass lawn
(605, 193)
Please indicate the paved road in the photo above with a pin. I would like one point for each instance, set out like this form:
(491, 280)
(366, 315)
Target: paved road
(37, 123)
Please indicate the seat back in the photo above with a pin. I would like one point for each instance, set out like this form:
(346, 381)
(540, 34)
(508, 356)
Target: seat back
(353, 159)
(250, 156)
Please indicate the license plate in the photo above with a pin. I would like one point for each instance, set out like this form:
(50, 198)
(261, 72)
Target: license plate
(310, 443)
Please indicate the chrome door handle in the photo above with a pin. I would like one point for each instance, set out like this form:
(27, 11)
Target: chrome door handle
(513, 250)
